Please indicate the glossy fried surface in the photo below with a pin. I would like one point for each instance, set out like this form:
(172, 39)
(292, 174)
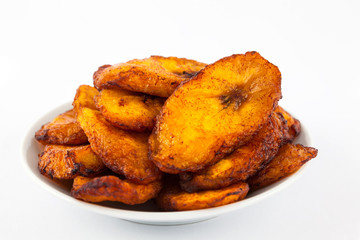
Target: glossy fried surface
(172, 198)
(156, 75)
(293, 124)
(121, 151)
(62, 130)
(129, 110)
(223, 106)
(67, 162)
(288, 160)
(112, 188)
(84, 97)
(243, 162)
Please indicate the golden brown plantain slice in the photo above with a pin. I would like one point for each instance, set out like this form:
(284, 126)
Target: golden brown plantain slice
(67, 162)
(112, 188)
(217, 110)
(62, 130)
(129, 110)
(122, 151)
(288, 160)
(243, 162)
(293, 124)
(156, 75)
(85, 97)
(172, 198)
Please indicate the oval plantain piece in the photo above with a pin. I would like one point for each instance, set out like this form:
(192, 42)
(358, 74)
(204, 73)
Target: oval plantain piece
(62, 130)
(129, 110)
(223, 106)
(122, 151)
(67, 162)
(243, 162)
(112, 188)
(156, 75)
(84, 97)
(172, 198)
(288, 160)
(294, 126)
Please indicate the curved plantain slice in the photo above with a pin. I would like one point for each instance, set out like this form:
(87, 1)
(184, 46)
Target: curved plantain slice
(172, 198)
(85, 97)
(112, 188)
(129, 110)
(121, 151)
(220, 108)
(243, 162)
(62, 130)
(156, 75)
(67, 162)
(288, 160)
(294, 125)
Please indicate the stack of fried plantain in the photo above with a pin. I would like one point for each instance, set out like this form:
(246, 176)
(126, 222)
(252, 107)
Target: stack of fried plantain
(190, 135)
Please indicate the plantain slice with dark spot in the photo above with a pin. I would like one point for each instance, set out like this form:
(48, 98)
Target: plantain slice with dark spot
(243, 162)
(219, 109)
(112, 188)
(67, 162)
(172, 198)
(84, 97)
(129, 110)
(62, 130)
(156, 75)
(288, 160)
(123, 152)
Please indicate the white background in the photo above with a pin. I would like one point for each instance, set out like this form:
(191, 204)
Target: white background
(49, 48)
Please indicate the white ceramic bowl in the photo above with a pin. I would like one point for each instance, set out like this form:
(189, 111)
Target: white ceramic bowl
(146, 213)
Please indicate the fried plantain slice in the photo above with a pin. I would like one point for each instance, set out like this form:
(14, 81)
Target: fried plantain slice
(85, 97)
(121, 151)
(112, 188)
(172, 198)
(288, 160)
(294, 125)
(67, 162)
(129, 110)
(62, 130)
(156, 75)
(220, 108)
(243, 162)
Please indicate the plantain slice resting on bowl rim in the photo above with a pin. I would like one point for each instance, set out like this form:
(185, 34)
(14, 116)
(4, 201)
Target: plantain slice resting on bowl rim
(67, 162)
(288, 160)
(112, 188)
(220, 108)
(63, 130)
(156, 75)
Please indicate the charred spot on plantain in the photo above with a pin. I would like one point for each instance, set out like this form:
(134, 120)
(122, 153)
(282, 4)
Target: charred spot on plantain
(44, 135)
(218, 153)
(122, 102)
(147, 97)
(188, 74)
(51, 173)
(76, 168)
(235, 96)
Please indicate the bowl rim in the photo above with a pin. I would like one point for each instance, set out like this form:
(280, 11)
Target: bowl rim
(148, 216)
